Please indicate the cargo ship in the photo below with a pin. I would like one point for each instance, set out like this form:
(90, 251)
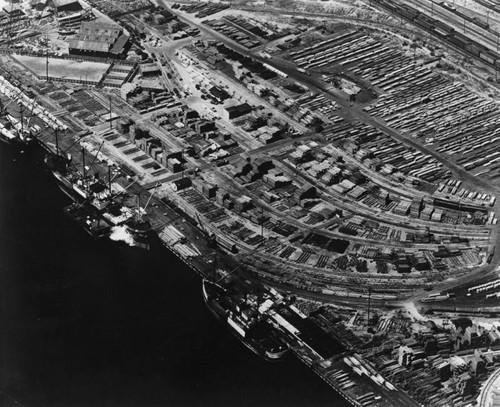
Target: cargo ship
(94, 207)
(20, 129)
(100, 216)
(6, 135)
(93, 223)
(13, 132)
(141, 231)
(244, 321)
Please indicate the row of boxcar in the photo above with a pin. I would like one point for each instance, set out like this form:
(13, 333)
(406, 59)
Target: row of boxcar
(476, 311)
(467, 17)
(444, 31)
(458, 206)
(490, 5)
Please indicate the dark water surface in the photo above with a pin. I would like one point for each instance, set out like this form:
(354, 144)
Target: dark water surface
(93, 323)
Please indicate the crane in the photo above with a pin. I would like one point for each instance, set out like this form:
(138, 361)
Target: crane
(3, 107)
(202, 226)
(96, 154)
(129, 185)
(77, 140)
(239, 266)
(152, 193)
(140, 210)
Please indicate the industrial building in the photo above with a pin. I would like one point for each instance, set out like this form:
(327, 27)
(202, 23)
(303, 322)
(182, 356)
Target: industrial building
(235, 111)
(66, 5)
(99, 39)
(12, 11)
(67, 70)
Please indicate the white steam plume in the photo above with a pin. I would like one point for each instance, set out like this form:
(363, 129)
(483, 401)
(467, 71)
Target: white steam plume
(121, 234)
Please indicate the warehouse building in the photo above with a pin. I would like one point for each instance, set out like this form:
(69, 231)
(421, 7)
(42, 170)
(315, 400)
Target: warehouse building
(66, 5)
(12, 12)
(233, 112)
(99, 39)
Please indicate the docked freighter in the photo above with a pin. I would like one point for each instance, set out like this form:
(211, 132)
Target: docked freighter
(76, 186)
(245, 322)
(12, 131)
(22, 131)
(94, 206)
(6, 133)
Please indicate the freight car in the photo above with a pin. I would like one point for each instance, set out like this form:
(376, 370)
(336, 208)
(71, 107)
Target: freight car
(458, 206)
(447, 6)
(425, 22)
(444, 31)
(472, 311)
(227, 244)
(443, 26)
(488, 57)
(481, 23)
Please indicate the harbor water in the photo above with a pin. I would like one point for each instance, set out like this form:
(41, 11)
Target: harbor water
(87, 322)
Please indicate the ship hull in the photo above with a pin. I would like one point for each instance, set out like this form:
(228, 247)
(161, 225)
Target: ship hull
(91, 222)
(67, 187)
(141, 233)
(210, 298)
(13, 141)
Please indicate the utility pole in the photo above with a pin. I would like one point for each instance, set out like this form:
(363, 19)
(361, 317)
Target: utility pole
(46, 56)
(21, 111)
(261, 222)
(138, 202)
(83, 164)
(432, 7)
(57, 141)
(369, 305)
(214, 270)
(464, 25)
(110, 115)
(109, 179)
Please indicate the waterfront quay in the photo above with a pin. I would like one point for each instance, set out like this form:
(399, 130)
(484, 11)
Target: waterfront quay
(343, 179)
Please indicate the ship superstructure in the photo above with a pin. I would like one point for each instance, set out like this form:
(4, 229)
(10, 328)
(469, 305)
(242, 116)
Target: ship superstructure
(245, 315)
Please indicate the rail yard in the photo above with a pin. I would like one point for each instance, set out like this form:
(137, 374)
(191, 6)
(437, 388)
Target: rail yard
(352, 165)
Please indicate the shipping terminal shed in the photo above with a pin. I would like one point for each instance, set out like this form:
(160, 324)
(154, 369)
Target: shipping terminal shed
(98, 39)
(66, 5)
(334, 186)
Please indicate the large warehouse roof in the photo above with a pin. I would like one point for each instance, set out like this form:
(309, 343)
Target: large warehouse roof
(99, 37)
(62, 3)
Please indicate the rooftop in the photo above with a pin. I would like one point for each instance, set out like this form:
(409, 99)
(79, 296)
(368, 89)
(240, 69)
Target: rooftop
(62, 3)
(99, 37)
(64, 69)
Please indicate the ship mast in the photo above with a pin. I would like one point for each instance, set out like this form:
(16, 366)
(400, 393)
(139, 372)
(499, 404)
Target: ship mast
(21, 112)
(138, 204)
(46, 57)
(83, 164)
(214, 270)
(369, 304)
(109, 179)
(57, 141)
